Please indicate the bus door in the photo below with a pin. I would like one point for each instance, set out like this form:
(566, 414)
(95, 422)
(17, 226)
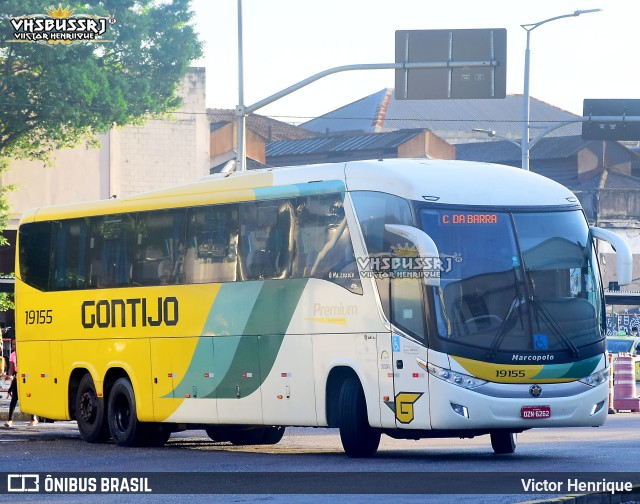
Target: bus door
(410, 380)
(410, 383)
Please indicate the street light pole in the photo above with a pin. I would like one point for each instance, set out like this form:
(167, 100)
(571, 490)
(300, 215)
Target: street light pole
(526, 102)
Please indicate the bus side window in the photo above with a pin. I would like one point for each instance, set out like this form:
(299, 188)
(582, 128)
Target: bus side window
(407, 306)
(111, 240)
(35, 254)
(268, 243)
(160, 238)
(212, 243)
(325, 250)
(69, 254)
(374, 210)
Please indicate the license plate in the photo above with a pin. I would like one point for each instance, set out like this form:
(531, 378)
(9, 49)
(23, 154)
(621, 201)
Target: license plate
(535, 412)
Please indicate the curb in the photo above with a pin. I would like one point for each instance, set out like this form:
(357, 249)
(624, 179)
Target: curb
(4, 409)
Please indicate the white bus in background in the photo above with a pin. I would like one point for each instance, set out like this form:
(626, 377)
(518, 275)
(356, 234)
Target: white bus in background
(411, 298)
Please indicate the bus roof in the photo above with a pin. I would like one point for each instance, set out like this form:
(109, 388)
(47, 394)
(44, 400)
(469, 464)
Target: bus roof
(442, 182)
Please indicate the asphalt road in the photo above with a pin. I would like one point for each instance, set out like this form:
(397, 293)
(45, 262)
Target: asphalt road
(314, 459)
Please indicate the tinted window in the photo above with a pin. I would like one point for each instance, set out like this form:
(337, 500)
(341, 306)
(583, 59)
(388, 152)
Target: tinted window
(70, 254)
(212, 243)
(305, 237)
(111, 239)
(35, 254)
(268, 239)
(324, 248)
(160, 248)
(374, 211)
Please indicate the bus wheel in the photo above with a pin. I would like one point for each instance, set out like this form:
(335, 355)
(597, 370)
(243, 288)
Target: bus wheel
(155, 434)
(358, 438)
(125, 428)
(503, 442)
(252, 436)
(90, 412)
(272, 435)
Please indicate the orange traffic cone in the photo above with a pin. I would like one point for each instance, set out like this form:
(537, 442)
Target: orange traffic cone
(625, 397)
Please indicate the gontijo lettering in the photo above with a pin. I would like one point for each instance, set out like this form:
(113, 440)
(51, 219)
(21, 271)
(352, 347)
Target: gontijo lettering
(133, 312)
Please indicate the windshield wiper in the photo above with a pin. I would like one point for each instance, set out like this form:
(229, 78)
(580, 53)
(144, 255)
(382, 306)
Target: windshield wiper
(557, 328)
(517, 302)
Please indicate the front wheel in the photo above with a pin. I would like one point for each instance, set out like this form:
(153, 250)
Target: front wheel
(90, 412)
(503, 442)
(358, 438)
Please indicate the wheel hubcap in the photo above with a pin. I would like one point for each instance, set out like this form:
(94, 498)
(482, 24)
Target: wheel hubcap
(87, 408)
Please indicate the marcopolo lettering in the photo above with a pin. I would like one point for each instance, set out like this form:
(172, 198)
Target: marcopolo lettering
(135, 312)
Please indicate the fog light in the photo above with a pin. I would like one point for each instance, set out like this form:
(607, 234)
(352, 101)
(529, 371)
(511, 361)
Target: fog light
(597, 408)
(460, 410)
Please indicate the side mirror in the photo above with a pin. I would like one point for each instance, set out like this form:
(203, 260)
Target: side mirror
(624, 257)
(423, 243)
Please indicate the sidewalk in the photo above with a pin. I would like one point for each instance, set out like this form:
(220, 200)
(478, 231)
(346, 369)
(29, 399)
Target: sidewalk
(18, 415)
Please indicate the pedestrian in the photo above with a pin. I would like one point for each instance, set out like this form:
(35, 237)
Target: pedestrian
(13, 388)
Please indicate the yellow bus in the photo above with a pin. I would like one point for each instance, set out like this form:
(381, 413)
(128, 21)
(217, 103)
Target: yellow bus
(411, 298)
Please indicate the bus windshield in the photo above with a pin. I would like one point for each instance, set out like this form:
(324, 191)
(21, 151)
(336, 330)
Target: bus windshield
(521, 284)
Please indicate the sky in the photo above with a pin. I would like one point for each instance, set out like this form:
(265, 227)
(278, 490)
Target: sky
(285, 41)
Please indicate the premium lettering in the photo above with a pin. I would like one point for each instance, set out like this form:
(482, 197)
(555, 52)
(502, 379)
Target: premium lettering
(134, 312)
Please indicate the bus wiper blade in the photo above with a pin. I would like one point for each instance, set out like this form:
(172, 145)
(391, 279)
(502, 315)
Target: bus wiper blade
(497, 340)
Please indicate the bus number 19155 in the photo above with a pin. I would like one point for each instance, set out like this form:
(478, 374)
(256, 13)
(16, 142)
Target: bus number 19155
(39, 317)
(510, 373)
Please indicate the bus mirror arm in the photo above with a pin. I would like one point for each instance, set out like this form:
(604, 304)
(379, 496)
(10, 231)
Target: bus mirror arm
(425, 246)
(624, 256)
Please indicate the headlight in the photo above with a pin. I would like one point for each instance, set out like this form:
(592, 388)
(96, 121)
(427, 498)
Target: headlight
(597, 378)
(459, 379)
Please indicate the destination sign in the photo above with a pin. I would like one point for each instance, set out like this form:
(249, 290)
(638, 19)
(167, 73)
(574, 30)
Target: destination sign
(468, 218)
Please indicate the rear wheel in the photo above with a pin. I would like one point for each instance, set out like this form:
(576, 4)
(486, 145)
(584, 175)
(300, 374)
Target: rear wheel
(155, 434)
(503, 442)
(90, 412)
(124, 426)
(246, 435)
(251, 436)
(272, 435)
(358, 438)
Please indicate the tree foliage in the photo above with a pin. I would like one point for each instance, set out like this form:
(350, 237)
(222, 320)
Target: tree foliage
(56, 96)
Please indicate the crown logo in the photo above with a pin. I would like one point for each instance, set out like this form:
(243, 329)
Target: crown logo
(405, 250)
(60, 12)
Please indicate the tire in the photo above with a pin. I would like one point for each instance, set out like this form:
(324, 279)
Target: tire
(90, 412)
(217, 435)
(124, 426)
(272, 435)
(503, 442)
(155, 434)
(358, 438)
(251, 436)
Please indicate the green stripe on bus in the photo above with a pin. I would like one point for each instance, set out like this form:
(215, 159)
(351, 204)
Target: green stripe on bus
(575, 370)
(262, 337)
(241, 338)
